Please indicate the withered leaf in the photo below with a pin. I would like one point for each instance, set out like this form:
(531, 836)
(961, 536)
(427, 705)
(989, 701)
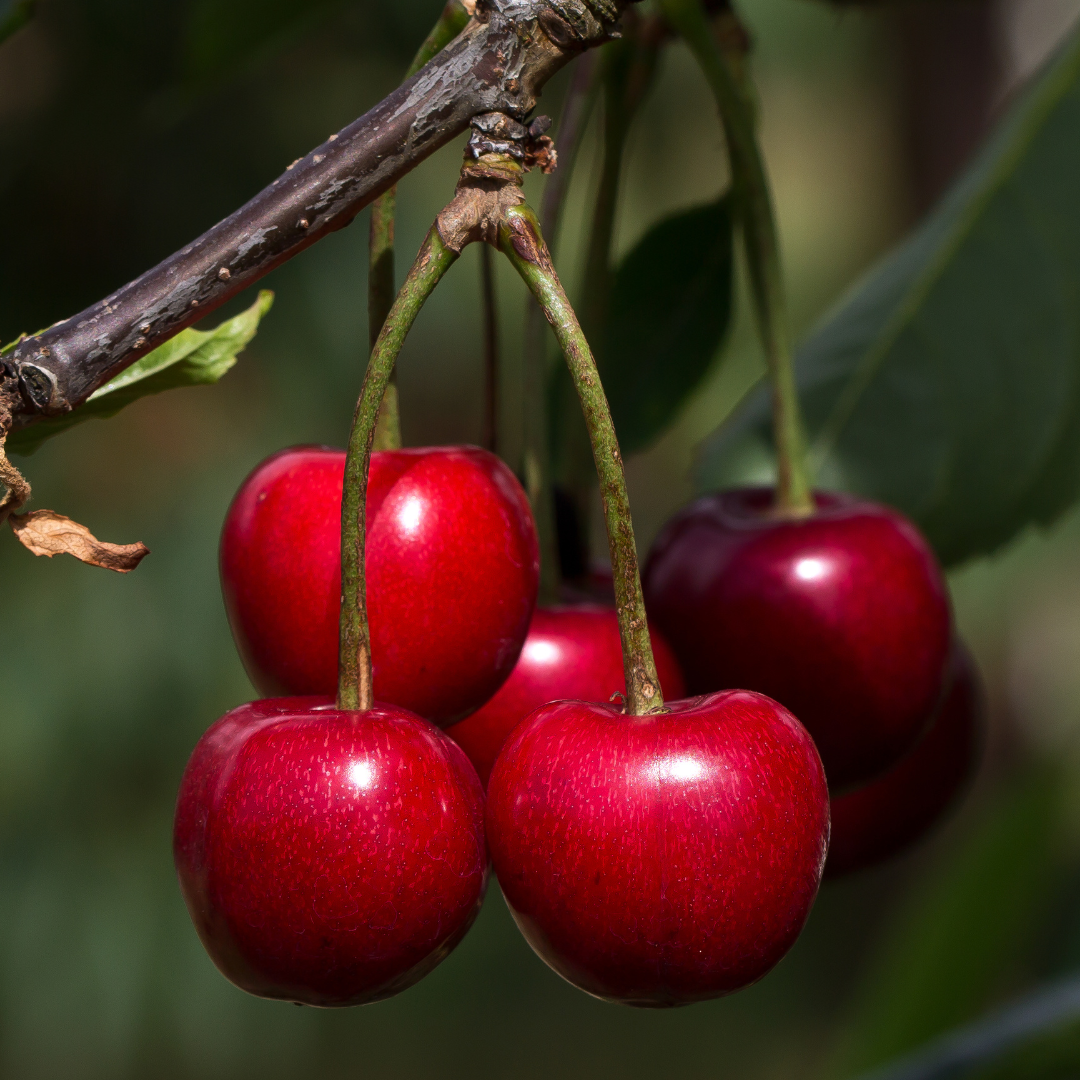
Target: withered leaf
(46, 532)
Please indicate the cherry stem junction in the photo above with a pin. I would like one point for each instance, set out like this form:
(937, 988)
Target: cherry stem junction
(355, 682)
(521, 241)
(794, 490)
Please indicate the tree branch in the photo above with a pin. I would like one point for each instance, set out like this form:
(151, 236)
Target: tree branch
(499, 63)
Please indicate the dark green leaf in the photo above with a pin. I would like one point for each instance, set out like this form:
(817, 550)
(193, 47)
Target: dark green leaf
(192, 358)
(949, 946)
(669, 310)
(1034, 1036)
(948, 382)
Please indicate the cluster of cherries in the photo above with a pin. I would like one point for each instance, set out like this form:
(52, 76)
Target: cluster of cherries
(333, 858)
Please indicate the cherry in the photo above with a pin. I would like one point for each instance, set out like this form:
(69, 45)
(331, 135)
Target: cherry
(874, 822)
(452, 574)
(662, 859)
(329, 857)
(570, 652)
(843, 616)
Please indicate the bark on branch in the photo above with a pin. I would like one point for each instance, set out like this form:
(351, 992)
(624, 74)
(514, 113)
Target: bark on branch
(500, 62)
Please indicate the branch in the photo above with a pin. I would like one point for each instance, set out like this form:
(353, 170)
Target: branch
(500, 63)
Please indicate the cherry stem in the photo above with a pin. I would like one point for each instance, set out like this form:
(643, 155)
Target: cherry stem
(380, 301)
(628, 67)
(490, 436)
(355, 684)
(521, 241)
(626, 70)
(794, 492)
(381, 289)
(580, 99)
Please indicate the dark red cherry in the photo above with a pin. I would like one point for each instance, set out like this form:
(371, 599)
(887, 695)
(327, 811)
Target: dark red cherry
(882, 818)
(662, 859)
(842, 616)
(570, 652)
(328, 857)
(452, 573)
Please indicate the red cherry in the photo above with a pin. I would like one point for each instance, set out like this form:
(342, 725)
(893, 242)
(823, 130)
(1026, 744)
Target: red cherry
(452, 573)
(889, 814)
(329, 857)
(662, 859)
(842, 616)
(571, 652)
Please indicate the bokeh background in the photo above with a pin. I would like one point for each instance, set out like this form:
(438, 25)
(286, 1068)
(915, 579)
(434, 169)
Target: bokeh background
(127, 127)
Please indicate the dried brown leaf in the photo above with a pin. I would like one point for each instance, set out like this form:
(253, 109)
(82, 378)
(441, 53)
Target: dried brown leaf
(46, 532)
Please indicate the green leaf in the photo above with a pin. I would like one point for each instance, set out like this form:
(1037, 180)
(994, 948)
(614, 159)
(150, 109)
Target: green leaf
(948, 382)
(669, 310)
(1036, 1035)
(192, 358)
(949, 946)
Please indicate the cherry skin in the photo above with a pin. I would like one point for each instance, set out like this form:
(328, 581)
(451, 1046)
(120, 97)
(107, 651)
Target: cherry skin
(891, 813)
(571, 651)
(843, 616)
(452, 573)
(327, 857)
(663, 859)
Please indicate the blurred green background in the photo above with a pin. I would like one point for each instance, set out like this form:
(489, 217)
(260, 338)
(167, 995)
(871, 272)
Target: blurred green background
(127, 128)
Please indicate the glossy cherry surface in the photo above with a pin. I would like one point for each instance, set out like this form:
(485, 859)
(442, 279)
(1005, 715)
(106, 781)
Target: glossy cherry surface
(327, 857)
(571, 651)
(452, 573)
(842, 616)
(894, 811)
(664, 859)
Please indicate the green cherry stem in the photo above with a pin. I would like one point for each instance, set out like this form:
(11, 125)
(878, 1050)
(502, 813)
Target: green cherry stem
(628, 68)
(536, 465)
(381, 288)
(521, 241)
(490, 437)
(794, 494)
(355, 684)
(380, 301)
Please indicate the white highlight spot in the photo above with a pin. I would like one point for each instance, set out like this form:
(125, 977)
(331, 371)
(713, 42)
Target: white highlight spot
(362, 774)
(811, 569)
(541, 652)
(679, 768)
(410, 514)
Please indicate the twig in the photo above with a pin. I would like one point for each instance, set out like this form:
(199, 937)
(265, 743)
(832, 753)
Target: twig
(500, 62)
(18, 487)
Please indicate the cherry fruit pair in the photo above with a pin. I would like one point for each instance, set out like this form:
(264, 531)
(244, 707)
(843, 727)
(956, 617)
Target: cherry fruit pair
(333, 857)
